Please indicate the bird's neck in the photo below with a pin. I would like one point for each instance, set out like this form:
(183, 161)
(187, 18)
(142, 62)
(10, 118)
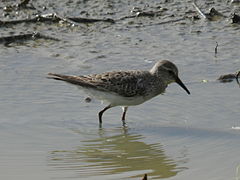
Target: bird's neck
(161, 77)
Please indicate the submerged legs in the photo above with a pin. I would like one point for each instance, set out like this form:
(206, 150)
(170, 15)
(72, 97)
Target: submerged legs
(101, 113)
(125, 108)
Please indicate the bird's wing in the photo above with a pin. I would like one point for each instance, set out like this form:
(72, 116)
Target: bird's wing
(124, 83)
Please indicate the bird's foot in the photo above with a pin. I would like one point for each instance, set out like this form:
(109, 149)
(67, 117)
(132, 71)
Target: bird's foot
(100, 126)
(124, 124)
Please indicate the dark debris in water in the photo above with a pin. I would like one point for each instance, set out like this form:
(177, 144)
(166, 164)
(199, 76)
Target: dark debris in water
(235, 19)
(88, 99)
(25, 37)
(54, 18)
(229, 78)
(24, 4)
(159, 10)
(212, 15)
(237, 78)
(90, 20)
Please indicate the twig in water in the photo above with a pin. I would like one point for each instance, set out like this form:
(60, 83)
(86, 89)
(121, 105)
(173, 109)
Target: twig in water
(160, 23)
(216, 49)
(64, 19)
(199, 11)
(92, 20)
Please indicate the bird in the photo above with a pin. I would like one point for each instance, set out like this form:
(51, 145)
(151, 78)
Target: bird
(126, 88)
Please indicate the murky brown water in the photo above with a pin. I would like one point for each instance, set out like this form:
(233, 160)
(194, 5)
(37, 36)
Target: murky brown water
(47, 131)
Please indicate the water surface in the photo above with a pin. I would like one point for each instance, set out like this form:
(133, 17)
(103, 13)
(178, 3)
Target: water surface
(48, 131)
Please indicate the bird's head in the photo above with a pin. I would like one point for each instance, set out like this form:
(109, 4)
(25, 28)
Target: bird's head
(168, 72)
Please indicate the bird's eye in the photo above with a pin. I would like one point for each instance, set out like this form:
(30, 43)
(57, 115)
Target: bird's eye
(170, 72)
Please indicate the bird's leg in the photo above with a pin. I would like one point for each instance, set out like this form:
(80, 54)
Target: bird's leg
(125, 108)
(101, 113)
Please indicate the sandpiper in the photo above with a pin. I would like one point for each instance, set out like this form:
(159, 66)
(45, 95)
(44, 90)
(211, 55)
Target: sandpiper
(126, 88)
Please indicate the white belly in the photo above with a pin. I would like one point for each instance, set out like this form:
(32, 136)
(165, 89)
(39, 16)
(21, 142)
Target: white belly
(115, 99)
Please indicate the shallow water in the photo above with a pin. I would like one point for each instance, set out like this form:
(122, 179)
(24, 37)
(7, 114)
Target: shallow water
(48, 131)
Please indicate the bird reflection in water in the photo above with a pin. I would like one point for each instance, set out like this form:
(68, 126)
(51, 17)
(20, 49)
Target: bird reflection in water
(124, 154)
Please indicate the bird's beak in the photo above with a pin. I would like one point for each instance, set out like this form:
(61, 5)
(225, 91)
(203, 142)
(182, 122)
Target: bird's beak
(177, 80)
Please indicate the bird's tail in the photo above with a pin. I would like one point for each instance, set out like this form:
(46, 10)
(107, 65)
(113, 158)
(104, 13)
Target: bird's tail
(58, 76)
(77, 80)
